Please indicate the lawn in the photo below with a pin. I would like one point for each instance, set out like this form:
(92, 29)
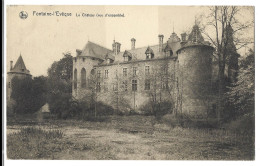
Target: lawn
(122, 138)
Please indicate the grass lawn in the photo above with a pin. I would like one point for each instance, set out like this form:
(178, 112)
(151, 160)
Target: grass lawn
(122, 138)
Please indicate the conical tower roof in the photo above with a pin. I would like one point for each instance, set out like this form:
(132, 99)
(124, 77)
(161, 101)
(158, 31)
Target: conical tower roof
(20, 67)
(195, 35)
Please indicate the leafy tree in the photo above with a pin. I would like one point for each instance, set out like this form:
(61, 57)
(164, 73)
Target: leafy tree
(29, 94)
(226, 32)
(59, 86)
(242, 93)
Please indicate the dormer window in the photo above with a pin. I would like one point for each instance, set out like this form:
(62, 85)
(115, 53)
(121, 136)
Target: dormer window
(127, 56)
(109, 58)
(149, 53)
(148, 56)
(168, 50)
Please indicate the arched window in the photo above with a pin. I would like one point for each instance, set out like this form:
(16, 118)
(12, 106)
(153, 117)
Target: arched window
(75, 78)
(83, 78)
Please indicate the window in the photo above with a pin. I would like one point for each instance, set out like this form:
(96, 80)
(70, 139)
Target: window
(124, 72)
(115, 87)
(98, 87)
(134, 71)
(92, 72)
(147, 70)
(83, 59)
(75, 59)
(134, 85)
(83, 78)
(125, 85)
(164, 84)
(98, 74)
(125, 58)
(105, 87)
(147, 85)
(75, 78)
(148, 56)
(106, 73)
(9, 85)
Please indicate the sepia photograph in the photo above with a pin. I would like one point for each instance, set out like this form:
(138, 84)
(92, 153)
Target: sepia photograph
(125, 82)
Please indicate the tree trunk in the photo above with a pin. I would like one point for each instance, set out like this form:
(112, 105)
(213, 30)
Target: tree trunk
(221, 86)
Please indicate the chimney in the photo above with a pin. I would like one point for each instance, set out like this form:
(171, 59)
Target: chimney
(183, 37)
(160, 43)
(133, 43)
(11, 65)
(116, 47)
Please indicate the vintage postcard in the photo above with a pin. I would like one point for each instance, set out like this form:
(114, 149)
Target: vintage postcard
(130, 82)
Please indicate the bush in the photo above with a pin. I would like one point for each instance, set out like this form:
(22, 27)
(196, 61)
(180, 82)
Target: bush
(158, 109)
(63, 106)
(243, 125)
(89, 112)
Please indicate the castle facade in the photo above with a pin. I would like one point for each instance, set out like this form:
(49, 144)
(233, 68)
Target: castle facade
(178, 71)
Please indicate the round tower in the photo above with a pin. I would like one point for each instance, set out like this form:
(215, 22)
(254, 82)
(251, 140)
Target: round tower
(84, 77)
(195, 70)
(20, 71)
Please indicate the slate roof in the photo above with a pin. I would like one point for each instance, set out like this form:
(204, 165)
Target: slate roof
(94, 50)
(20, 67)
(195, 38)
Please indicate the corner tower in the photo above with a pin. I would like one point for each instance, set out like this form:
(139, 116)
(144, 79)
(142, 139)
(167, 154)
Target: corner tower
(83, 68)
(195, 70)
(20, 71)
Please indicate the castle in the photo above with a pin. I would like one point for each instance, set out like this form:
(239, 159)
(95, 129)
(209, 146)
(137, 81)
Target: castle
(19, 70)
(179, 71)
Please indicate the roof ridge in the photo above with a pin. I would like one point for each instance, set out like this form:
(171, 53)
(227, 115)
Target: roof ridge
(99, 45)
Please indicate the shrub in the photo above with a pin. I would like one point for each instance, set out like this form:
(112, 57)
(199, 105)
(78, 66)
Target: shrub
(89, 112)
(244, 124)
(158, 109)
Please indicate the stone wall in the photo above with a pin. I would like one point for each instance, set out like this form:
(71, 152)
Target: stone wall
(195, 64)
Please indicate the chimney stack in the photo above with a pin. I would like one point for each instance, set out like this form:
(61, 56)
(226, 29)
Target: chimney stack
(183, 37)
(11, 65)
(116, 47)
(160, 43)
(133, 43)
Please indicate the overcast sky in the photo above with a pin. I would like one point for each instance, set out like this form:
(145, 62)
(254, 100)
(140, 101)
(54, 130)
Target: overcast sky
(41, 40)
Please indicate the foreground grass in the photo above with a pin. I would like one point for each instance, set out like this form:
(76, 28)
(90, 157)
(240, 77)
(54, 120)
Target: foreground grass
(126, 137)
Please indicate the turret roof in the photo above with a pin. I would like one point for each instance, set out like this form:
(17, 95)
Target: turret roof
(20, 67)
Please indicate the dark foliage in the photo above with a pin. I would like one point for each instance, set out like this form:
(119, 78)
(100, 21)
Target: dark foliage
(60, 88)
(241, 94)
(87, 110)
(158, 109)
(29, 94)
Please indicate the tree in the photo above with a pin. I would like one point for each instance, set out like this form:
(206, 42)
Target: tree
(29, 94)
(225, 22)
(60, 85)
(242, 93)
